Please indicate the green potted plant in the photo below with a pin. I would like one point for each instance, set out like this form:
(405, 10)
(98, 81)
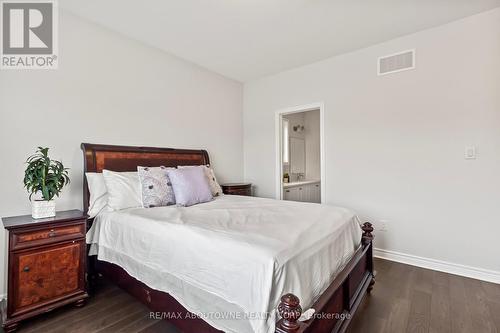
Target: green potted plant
(286, 178)
(44, 178)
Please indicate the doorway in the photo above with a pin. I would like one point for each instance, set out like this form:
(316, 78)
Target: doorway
(300, 171)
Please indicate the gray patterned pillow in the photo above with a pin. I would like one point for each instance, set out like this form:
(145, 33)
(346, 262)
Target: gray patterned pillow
(156, 187)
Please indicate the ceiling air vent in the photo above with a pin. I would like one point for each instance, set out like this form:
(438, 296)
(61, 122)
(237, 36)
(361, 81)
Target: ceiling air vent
(397, 62)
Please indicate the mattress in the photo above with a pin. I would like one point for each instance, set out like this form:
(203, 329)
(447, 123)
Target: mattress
(231, 259)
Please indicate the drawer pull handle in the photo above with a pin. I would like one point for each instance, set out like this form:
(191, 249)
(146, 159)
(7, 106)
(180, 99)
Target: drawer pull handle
(26, 268)
(52, 233)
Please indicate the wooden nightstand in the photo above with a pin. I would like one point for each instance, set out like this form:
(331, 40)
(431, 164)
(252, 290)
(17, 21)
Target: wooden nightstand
(237, 188)
(46, 264)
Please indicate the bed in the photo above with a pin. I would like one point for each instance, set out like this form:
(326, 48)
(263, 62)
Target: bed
(234, 264)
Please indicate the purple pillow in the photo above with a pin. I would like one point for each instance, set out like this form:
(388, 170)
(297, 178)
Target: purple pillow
(190, 186)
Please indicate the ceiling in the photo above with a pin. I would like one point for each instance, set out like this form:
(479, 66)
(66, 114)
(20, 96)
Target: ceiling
(248, 39)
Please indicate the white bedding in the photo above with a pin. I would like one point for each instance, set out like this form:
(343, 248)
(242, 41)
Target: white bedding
(231, 259)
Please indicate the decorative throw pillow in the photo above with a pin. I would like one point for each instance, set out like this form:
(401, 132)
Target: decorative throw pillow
(124, 189)
(212, 181)
(156, 187)
(190, 186)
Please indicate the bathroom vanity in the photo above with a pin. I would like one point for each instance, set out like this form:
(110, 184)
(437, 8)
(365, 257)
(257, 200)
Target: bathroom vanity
(306, 191)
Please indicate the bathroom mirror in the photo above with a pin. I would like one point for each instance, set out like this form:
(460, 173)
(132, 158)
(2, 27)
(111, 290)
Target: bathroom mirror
(297, 155)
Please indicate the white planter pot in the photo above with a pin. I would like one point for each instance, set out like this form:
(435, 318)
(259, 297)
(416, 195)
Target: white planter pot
(41, 209)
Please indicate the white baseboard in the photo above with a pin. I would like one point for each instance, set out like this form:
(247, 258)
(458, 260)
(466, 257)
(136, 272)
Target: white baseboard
(438, 265)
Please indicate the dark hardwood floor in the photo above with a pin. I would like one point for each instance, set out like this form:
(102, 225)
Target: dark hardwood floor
(110, 310)
(412, 299)
(405, 299)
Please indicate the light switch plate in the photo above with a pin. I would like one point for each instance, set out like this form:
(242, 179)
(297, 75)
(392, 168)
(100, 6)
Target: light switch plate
(470, 153)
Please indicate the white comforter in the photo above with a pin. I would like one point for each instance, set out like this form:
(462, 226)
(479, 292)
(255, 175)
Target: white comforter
(234, 253)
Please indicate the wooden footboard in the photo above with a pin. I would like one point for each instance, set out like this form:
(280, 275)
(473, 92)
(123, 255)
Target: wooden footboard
(336, 306)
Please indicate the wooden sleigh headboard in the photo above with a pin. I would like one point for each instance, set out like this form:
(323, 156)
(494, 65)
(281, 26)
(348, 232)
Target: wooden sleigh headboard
(126, 158)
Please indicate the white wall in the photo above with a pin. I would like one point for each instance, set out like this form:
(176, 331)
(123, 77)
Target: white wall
(110, 89)
(394, 145)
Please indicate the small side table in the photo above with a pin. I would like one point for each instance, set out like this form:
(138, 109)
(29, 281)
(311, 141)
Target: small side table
(237, 188)
(46, 267)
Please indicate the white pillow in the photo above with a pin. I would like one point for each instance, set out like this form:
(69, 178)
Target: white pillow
(124, 189)
(98, 200)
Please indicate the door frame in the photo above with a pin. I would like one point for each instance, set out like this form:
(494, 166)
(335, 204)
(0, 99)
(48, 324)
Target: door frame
(278, 142)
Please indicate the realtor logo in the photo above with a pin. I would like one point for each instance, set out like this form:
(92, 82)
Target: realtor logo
(29, 35)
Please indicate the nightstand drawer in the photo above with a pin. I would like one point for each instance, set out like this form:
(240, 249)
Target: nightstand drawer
(43, 275)
(237, 188)
(48, 235)
(241, 191)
